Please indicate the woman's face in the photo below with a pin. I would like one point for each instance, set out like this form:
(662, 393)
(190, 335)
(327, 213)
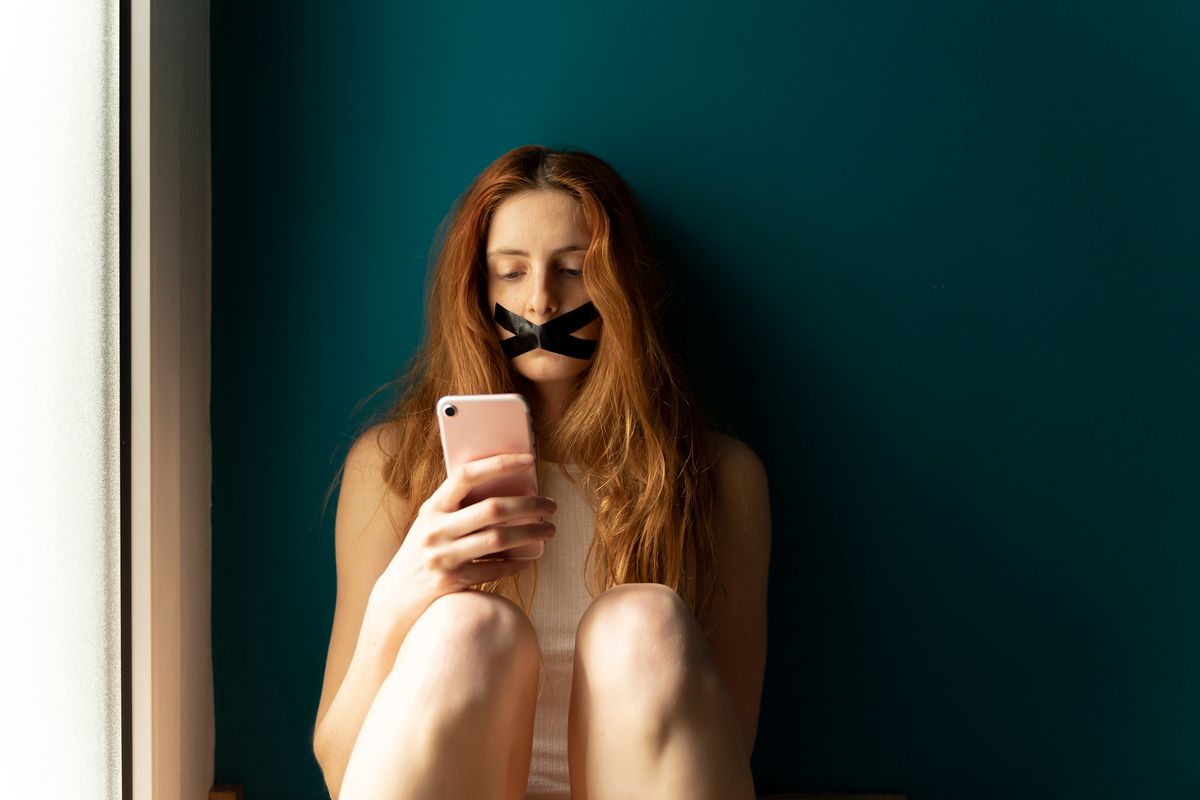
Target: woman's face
(535, 248)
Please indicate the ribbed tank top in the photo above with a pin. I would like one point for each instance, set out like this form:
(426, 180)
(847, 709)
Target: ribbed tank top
(557, 608)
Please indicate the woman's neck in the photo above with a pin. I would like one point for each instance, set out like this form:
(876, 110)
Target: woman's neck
(547, 410)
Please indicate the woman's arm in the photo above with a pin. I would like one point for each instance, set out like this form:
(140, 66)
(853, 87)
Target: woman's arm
(742, 517)
(362, 649)
(337, 728)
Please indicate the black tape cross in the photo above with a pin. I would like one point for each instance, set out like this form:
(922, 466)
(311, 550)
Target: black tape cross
(553, 335)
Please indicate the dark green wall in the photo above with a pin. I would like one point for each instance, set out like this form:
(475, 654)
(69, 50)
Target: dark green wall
(936, 263)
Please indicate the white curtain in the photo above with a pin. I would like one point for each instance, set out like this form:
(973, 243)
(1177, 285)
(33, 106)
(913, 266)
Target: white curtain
(60, 642)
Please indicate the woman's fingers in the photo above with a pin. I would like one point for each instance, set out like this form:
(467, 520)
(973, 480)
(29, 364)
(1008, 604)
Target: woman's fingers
(494, 540)
(493, 511)
(471, 574)
(466, 476)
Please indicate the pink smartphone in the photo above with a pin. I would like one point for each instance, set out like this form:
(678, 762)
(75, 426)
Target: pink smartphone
(480, 425)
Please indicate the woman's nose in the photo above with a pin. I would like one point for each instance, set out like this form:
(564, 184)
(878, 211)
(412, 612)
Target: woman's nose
(542, 300)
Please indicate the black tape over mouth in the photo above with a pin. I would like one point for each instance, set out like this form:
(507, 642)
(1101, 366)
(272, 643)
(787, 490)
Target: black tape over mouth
(553, 335)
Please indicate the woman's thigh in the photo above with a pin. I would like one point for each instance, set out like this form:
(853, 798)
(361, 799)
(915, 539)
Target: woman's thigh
(455, 715)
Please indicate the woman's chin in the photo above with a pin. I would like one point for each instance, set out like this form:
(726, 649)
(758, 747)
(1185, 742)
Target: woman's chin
(541, 366)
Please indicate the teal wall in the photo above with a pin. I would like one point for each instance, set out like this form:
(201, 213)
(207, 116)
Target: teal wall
(936, 263)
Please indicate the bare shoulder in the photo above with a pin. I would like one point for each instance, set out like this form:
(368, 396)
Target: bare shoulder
(365, 490)
(734, 458)
(742, 496)
(372, 447)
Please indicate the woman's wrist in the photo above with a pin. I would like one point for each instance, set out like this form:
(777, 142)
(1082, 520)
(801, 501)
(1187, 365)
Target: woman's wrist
(386, 624)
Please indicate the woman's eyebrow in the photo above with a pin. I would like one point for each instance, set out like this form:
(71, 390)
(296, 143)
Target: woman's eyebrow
(511, 251)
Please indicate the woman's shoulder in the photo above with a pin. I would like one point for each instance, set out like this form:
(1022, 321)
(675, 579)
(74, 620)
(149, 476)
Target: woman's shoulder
(376, 443)
(371, 454)
(736, 467)
(725, 449)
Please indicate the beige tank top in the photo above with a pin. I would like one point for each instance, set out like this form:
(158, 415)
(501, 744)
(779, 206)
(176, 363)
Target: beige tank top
(557, 608)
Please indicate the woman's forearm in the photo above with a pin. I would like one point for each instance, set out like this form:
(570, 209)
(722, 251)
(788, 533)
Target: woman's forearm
(337, 730)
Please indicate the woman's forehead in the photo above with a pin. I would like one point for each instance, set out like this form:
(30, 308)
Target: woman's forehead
(537, 219)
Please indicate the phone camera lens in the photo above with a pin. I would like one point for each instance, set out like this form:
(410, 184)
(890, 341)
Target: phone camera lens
(451, 411)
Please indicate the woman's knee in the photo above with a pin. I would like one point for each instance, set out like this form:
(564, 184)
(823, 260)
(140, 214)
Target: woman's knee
(475, 630)
(640, 634)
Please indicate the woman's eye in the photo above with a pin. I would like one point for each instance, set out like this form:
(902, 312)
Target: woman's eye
(574, 273)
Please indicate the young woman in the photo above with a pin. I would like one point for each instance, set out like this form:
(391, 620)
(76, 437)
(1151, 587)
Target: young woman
(628, 660)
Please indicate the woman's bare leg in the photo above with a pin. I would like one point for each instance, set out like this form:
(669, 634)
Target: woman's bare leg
(650, 715)
(454, 719)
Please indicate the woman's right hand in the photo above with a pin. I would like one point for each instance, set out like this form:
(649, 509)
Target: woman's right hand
(435, 557)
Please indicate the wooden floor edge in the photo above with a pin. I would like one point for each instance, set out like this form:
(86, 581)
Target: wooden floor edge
(227, 791)
(831, 796)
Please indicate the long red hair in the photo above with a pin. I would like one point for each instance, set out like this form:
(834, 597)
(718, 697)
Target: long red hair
(632, 421)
